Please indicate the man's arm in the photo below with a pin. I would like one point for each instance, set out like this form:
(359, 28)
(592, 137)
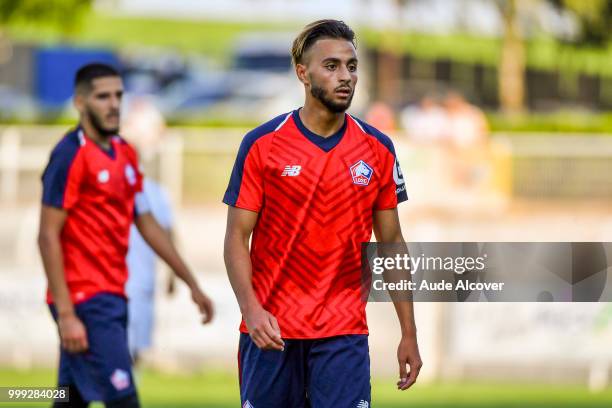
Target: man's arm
(160, 242)
(262, 325)
(72, 331)
(387, 230)
(171, 281)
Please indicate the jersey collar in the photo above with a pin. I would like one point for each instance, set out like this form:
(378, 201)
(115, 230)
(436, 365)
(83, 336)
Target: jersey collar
(83, 139)
(324, 143)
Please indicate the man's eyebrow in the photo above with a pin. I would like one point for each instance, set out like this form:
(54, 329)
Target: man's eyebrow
(334, 59)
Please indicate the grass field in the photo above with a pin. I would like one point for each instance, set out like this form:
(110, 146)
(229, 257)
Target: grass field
(219, 390)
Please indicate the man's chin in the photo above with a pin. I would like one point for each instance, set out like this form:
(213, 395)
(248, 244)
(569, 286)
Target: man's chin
(110, 131)
(342, 104)
(337, 107)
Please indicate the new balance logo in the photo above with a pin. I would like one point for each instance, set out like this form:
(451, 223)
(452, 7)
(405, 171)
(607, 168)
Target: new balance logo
(362, 404)
(291, 171)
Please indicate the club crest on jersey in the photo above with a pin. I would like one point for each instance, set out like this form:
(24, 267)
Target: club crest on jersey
(361, 173)
(130, 174)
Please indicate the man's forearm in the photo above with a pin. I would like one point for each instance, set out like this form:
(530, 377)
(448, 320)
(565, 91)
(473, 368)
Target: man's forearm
(405, 314)
(53, 263)
(239, 270)
(402, 300)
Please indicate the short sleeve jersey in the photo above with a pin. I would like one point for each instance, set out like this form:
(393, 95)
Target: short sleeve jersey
(315, 197)
(97, 188)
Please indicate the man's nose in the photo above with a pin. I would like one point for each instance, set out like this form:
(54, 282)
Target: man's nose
(115, 102)
(344, 74)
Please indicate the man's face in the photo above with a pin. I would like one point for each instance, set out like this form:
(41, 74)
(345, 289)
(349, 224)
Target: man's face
(102, 104)
(329, 72)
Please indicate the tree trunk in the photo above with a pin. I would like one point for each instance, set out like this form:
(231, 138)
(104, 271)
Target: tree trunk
(511, 80)
(389, 62)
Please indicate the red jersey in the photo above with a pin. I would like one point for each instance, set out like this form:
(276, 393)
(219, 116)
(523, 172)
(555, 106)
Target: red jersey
(97, 188)
(315, 197)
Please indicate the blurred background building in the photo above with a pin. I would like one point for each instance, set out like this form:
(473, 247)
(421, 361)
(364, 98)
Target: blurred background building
(501, 112)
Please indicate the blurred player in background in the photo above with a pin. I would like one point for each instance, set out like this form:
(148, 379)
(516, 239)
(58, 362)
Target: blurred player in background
(425, 123)
(91, 189)
(307, 188)
(144, 128)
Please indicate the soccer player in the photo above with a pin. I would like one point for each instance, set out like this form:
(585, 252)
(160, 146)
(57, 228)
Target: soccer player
(144, 128)
(91, 191)
(307, 188)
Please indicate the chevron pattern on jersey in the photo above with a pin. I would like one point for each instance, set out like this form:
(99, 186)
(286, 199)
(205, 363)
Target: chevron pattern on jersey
(305, 249)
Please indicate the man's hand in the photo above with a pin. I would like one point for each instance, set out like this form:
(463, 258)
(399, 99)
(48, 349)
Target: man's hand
(408, 354)
(72, 333)
(264, 330)
(204, 304)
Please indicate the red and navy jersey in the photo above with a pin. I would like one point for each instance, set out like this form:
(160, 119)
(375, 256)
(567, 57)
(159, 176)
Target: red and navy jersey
(97, 188)
(315, 197)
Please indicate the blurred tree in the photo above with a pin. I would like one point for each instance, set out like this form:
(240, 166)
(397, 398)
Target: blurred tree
(389, 63)
(61, 14)
(511, 72)
(594, 16)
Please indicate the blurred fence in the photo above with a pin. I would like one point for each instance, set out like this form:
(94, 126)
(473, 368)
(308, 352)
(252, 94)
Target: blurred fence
(567, 166)
(195, 163)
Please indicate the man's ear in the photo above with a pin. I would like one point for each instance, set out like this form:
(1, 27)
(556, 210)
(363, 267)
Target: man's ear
(302, 74)
(78, 101)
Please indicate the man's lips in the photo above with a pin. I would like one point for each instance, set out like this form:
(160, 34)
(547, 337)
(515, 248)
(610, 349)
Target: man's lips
(343, 91)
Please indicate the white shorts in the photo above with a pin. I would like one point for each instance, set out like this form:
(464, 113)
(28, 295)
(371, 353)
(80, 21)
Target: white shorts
(140, 321)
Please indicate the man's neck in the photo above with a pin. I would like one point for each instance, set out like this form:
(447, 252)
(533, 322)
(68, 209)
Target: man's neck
(99, 139)
(319, 120)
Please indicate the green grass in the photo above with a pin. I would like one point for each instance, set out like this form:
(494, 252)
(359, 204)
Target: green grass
(220, 390)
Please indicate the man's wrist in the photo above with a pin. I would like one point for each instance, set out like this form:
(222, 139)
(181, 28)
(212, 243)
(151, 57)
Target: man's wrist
(193, 285)
(409, 331)
(249, 305)
(66, 313)
(187, 277)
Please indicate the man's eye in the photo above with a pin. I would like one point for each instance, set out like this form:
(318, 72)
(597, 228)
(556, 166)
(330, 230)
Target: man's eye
(352, 68)
(331, 67)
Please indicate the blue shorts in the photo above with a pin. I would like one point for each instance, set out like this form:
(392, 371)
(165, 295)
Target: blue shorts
(103, 372)
(321, 373)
